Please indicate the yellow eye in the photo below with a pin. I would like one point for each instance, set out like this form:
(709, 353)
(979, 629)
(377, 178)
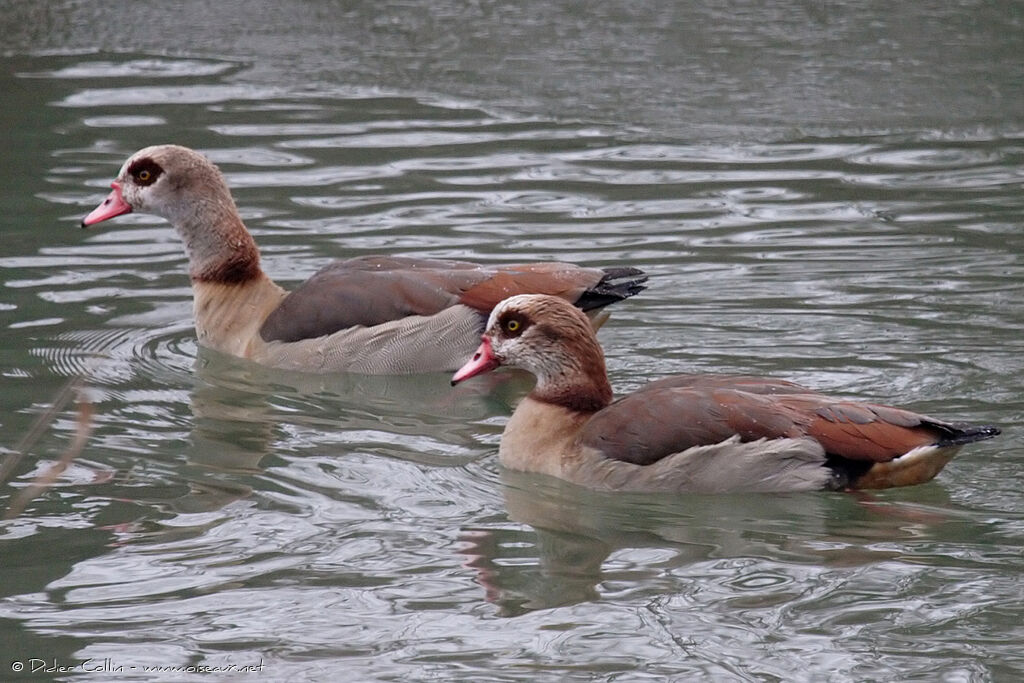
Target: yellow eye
(512, 325)
(144, 171)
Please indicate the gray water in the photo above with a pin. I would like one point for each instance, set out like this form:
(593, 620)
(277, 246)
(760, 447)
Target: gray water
(825, 192)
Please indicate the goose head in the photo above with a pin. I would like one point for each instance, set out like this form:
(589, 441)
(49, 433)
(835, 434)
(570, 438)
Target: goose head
(550, 338)
(170, 181)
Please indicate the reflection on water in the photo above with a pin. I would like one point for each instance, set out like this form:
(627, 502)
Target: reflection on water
(226, 513)
(584, 544)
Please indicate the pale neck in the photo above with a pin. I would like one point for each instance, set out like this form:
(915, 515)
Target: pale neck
(541, 437)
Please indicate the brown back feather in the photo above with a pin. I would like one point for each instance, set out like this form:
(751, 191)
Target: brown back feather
(676, 413)
(372, 290)
(557, 279)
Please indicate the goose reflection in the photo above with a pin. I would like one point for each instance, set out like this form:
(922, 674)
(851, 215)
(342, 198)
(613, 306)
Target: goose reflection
(568, 544)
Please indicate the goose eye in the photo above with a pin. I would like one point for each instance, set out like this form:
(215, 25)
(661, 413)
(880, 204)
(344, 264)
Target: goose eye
(144, 171)
(513, 324)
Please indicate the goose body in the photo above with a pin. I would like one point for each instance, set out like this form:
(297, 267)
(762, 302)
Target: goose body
(694, 433)
(375, 314)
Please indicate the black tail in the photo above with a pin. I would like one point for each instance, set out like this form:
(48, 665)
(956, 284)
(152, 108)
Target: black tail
(959, 433)
(617, 284)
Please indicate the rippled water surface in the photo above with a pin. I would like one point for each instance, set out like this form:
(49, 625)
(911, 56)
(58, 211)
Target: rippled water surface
(828, 195)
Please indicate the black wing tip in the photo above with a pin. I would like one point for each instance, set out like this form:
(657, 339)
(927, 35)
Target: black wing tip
(616, 272)
(618, 283)
(964, 434)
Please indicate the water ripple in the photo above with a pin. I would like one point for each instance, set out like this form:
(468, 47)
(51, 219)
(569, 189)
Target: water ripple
(135, 68)
(162, 94)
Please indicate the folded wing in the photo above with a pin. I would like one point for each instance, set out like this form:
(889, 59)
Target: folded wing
(677, 413)
(373, 290)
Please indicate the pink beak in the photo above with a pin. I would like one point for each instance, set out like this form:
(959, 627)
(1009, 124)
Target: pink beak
(113, 205)
(482, 361)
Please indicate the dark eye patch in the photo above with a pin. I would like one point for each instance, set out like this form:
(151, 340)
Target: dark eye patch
(145, 171)
(513, 323)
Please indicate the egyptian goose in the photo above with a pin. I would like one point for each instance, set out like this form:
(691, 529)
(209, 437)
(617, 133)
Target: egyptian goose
(373, 315)
(693, 433)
